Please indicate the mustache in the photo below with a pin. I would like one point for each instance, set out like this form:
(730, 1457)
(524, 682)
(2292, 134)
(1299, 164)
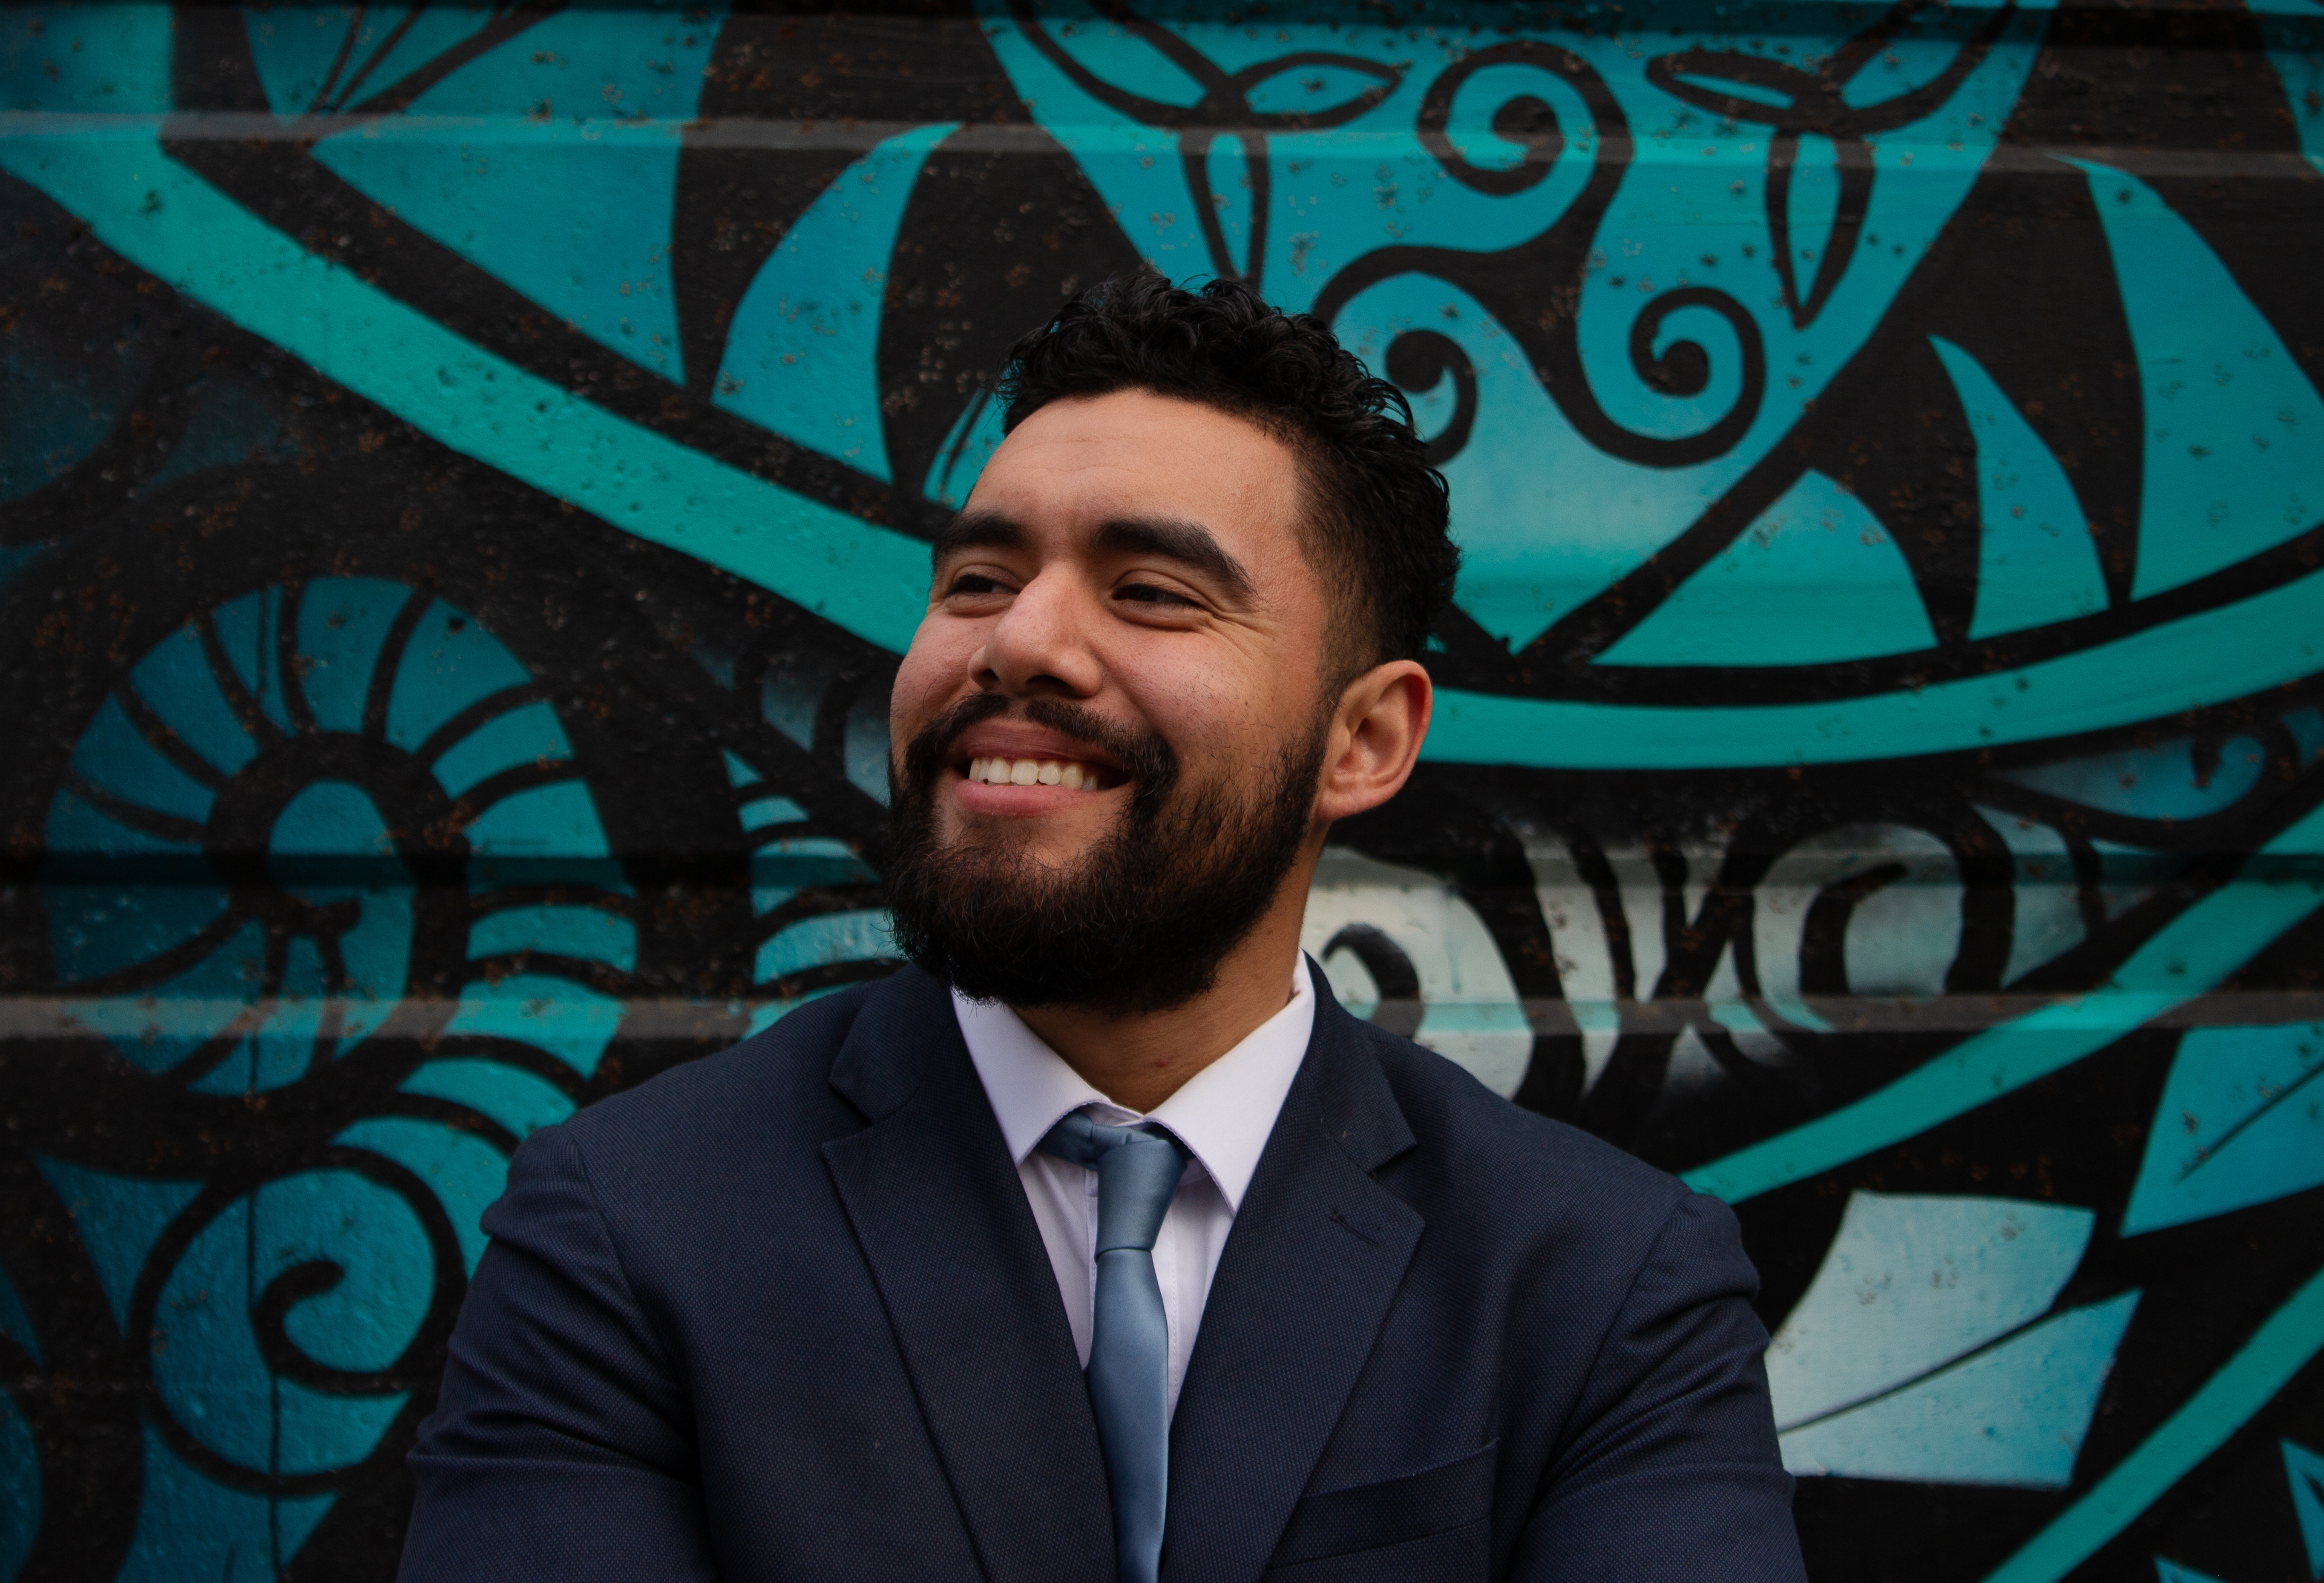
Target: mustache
(1142, 755)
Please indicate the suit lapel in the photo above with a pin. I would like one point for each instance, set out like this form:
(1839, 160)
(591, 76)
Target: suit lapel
(935, 1204)
(1316, 1255)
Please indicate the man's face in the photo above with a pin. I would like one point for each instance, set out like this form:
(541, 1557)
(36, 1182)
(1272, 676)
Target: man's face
(1110, 723)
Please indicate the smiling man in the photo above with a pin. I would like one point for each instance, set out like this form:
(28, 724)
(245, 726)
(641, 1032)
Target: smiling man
(1100, 1243)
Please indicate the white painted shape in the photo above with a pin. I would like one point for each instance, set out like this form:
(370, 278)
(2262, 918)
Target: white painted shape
(1470, 1015)
(1900, 940)
(1909, 1285)
(2014, 1416)
(2047, 912)
(1585, 957)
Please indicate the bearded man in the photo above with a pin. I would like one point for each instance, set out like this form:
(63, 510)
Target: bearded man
(1100, 1243)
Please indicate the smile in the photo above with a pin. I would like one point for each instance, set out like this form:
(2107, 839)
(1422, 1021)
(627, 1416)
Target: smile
(1071, 773)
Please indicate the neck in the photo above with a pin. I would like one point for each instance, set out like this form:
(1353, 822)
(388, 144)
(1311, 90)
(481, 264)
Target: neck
(1138, 1059)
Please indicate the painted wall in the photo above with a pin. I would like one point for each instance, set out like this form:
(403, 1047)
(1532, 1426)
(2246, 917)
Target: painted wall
(463, 479)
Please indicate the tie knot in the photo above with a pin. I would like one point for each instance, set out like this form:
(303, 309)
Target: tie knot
(1138, 1170)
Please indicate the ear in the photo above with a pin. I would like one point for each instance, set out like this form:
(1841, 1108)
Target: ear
(1375, 740)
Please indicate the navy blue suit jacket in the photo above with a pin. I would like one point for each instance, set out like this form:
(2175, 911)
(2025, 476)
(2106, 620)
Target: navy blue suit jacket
(784, 1313)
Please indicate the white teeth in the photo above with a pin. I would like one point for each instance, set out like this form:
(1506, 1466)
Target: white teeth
(1029, 771)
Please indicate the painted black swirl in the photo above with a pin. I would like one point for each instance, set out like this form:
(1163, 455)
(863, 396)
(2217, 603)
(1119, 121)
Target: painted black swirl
(1815, 101)
(1529, 123)
(1225, 105)
(1534, 288)
(1418, 360)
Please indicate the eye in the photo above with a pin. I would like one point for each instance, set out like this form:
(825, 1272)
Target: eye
(972, 583)
(1155, 595)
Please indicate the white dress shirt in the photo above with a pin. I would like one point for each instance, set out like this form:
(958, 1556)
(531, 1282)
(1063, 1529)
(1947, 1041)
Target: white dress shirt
(1222, 1115)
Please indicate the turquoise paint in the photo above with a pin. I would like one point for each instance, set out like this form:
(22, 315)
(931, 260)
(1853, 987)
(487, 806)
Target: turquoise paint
(76, 826)
(869, 579)
(967, 446)
(2182, 960)
(2228, 652)
(20, 1490)
(450, 662)
(342, 623)
(54, 413)
(2233, 431)
(109, 59)
(2303, 1469)
(1544, 519)
(2291, 51)
(207, 1365)
(247, 630)
(569, 1022)
(802, 354)
(793, 861)
(1912, 1283)
(96, 930)
(188, 1527)
(558, 819)
(762, 812)
(2014, 1415)
(519, 1100)
(187, 1011)
(2280, 1347)
(232, 423)
(175, 681)
(829, 936)
(118, 1218)
(464, 1172)
(527, 734)
(327, 818)
(590, 933)
(2241, 1122)
(111, 755)
(2171, 1573)
(2036, 562)
(331, 819)
(294, 48)
(2158, 782)
(552, 163)
(1815, 577)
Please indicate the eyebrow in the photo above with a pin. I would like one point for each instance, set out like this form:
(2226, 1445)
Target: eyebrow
(1190, 544)
(975, 530)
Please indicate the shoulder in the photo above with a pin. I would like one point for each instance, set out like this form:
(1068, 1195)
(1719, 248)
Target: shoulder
(1453, 1114)
(771, 1088)
(1491, 1172)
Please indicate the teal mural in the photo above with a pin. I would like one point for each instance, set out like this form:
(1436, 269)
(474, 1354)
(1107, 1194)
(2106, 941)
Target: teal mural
(465, 475)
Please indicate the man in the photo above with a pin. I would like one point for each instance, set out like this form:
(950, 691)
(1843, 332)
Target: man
(1101, 1243)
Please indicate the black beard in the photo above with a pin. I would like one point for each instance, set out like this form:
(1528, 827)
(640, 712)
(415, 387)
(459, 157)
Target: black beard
(1141, 923)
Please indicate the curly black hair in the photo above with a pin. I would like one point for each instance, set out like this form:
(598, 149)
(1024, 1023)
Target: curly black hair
(1376, 518)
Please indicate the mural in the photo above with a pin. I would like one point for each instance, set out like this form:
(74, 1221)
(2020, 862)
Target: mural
(465, 483)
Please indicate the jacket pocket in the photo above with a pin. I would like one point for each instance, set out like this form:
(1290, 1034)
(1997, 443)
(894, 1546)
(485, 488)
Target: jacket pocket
(1428, 1524)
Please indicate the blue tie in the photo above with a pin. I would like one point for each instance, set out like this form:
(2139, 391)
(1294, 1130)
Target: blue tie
(1130, 1342)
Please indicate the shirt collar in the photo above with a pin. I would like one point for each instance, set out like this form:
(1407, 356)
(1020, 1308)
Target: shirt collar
(1223, 1113)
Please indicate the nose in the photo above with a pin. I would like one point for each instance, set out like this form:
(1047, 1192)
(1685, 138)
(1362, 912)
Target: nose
(1039, 646)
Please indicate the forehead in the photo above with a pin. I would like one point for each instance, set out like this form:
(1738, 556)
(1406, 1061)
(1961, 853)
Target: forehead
(1076, 464)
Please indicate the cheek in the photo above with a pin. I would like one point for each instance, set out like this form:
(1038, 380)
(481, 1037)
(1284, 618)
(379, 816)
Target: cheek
(1218, 717)
(922, 689)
